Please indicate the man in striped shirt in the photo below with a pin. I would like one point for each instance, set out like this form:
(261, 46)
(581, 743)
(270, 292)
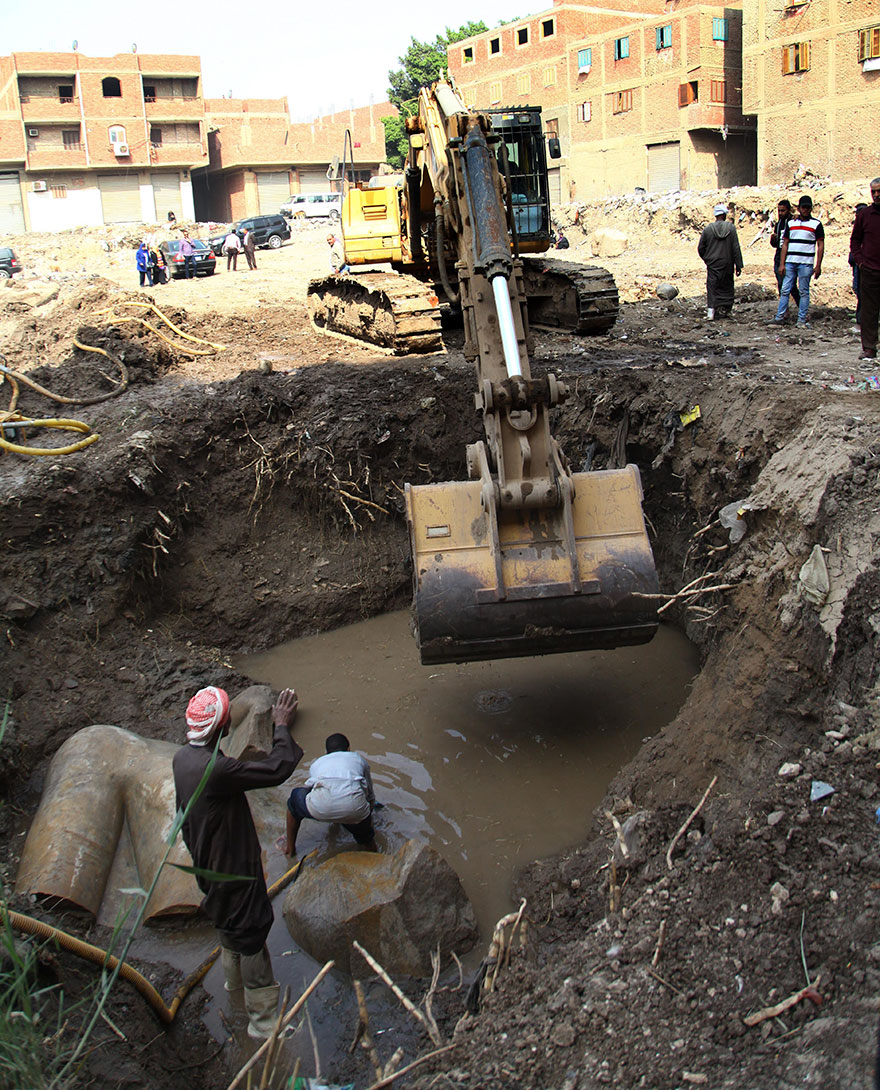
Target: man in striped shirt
(802, 251)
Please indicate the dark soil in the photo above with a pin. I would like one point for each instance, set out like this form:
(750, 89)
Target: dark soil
(218, 518)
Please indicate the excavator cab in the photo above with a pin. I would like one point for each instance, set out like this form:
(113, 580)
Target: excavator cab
(522, 160)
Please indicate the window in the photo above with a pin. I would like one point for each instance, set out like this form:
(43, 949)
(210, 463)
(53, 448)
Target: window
(494, 46)
(495, 91)
(70, 139)
(585, 60)
(550, 77)
(688, 93)
(585, 111)
(718, 90)
(59, 191)
(719, 30)
(664, 37)
(548, 28)
(621, 48)
(622, 102)
(869, 43)
(467, 55)
(795, 58)
(117, 134)
(155, 136)
(522, 36)
(523, 83)
(111, 87)
(149, 92)
(65, 92)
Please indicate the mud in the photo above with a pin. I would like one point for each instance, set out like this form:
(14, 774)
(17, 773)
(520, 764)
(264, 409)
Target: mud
(223, 513)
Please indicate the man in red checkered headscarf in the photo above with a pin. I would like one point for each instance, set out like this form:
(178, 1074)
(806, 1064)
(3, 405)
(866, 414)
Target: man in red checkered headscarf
(220, 834)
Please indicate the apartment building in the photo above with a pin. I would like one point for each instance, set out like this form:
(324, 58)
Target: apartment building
(811, 76)
(92, 140)
(643, 94)
(258, 158)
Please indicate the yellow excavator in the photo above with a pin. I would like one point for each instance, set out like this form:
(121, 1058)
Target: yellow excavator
(526, 557)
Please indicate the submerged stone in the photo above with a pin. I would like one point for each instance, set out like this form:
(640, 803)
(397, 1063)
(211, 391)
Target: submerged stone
(398, 907)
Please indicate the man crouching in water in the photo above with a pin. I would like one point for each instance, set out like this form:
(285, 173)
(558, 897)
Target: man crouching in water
(220, 834)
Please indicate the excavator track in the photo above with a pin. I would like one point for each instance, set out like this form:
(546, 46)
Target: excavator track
(390, 309)
(569, 297)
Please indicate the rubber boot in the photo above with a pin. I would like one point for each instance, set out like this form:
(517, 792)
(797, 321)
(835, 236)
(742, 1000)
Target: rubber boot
(231, 962)
(710, 313)
(261, 1005)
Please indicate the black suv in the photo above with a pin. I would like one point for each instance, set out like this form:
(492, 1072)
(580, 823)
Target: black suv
(9, 263)
(267, 231)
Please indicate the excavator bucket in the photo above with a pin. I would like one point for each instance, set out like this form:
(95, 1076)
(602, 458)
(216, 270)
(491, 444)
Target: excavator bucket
(531, 581)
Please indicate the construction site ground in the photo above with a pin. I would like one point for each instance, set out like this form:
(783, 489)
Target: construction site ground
(254, 494)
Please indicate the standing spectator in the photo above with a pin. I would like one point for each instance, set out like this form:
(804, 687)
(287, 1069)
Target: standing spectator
(158, 266)
(864, 250)
(856, 283)
(144, 265)
(188, 252)
(250, 248)
(777, 235)
(719, 248)
(220, 834)
(232, 248)
(337, 254)
(802, 251)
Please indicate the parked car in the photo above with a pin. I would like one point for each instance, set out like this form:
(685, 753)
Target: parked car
(313, 206)
(267, 231)
(9, 263)
(206, 263)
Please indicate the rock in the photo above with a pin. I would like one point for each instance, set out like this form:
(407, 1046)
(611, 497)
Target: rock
(634, 839)
(666, 290)
(789, 769)
(563, 1035)
(399, 907)
(250, 716)
(778, 897)
(608, 242)
(775, 817)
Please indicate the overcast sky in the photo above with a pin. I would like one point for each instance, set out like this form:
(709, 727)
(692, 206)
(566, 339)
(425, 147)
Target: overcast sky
(322, 56)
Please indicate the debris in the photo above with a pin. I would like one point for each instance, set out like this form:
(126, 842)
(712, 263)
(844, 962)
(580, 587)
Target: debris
(731, 518)
(820, 790)
(813, 578)
(666, 290)
(810, 992)
(687, 824)
(690, 415)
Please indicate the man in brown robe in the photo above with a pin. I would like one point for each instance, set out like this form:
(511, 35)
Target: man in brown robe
(220, 834)
(719, 248)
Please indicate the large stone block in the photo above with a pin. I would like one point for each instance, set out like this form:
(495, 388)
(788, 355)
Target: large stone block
(399, 908)
(608, 242)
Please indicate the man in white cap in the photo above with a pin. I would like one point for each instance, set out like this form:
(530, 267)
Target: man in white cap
(220, 834)
(719, 249)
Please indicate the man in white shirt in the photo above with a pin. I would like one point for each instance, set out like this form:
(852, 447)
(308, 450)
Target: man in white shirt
(339, 788)
(232, 248)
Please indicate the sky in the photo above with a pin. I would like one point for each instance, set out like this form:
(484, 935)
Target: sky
(322, 56)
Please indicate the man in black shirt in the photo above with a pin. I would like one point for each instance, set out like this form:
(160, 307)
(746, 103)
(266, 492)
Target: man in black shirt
(220, 834)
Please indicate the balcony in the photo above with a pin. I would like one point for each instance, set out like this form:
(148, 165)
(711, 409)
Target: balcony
(37, 108)
(173, 108)
(56, 157)
(178, 155)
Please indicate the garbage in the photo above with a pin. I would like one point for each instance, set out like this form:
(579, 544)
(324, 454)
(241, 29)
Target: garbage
(813, 578)
(820, 790)
(731, 518)
(690, 416)
(666, 290)
(303, 1083)
(877, 815)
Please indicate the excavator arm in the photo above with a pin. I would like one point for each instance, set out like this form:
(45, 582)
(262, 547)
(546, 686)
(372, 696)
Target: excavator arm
(526, 557)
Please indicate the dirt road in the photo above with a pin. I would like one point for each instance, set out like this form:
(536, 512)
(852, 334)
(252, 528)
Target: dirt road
(228, 503)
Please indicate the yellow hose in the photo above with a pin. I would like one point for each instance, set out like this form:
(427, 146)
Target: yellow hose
(167, 1012)
(113, 316)
(67, 425)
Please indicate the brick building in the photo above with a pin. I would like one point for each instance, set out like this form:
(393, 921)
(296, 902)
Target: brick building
(258, 158)
(91, 140)
(642, 93)
(811, 75)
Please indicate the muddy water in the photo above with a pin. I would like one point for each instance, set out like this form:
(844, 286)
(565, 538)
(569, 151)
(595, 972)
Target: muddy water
(494, 763)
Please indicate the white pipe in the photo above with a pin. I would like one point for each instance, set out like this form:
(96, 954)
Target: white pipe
(505, 324)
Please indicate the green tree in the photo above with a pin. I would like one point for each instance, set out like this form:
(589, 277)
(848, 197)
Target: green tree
(422, 64)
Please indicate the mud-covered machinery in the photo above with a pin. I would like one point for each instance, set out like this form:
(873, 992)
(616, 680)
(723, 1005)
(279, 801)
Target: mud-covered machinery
(525, 557)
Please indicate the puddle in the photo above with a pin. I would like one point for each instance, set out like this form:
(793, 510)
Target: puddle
(493, 763)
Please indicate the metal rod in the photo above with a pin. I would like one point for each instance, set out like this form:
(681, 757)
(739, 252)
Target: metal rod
(505, 325)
